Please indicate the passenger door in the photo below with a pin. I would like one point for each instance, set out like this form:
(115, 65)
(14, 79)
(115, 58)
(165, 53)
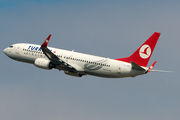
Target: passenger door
(17, 49)
(119, 68)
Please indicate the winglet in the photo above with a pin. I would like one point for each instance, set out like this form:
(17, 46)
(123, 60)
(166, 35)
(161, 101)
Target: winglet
(46, 41)
(152, 66)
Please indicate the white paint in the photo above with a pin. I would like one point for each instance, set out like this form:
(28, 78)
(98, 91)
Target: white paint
(145, 51)
(104, 67)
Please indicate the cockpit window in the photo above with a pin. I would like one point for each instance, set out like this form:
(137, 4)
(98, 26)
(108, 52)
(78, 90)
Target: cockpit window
(11, 46)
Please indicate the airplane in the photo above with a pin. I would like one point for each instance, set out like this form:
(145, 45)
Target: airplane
(79, 64)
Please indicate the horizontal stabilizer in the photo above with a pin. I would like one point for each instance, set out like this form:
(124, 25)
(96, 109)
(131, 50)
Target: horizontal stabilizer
(161, 71)
(152, 66)
(136, 66)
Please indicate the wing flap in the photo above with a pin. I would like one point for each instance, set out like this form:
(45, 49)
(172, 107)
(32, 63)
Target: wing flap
(78, 68)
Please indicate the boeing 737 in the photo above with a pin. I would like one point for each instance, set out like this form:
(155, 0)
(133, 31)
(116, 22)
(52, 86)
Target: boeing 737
(79, 64)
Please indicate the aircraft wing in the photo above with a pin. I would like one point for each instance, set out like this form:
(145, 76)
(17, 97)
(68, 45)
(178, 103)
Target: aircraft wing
(57, 61)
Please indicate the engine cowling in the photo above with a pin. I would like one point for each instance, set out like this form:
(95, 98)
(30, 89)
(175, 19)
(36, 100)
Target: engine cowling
(72, 74)
(43, 63)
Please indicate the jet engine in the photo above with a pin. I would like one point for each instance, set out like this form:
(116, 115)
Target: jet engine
(43, 63)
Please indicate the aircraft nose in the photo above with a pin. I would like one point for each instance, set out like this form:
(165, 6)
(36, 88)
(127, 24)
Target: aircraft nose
(5, 51)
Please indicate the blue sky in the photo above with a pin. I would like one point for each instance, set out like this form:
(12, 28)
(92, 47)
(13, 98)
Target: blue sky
(105, 28)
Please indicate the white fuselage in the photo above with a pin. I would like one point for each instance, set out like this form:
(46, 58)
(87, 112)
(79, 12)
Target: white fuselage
(92, 65)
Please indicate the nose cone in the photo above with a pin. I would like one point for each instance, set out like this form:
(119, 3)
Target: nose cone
(5, 51)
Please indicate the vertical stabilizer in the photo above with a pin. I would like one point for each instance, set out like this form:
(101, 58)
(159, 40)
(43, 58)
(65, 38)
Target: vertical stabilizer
(142, 55)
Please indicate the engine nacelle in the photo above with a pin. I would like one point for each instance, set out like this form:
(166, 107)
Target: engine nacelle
(43, 63)
(72, 74)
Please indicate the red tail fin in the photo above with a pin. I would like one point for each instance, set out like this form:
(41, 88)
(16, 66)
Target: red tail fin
(142, 55)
